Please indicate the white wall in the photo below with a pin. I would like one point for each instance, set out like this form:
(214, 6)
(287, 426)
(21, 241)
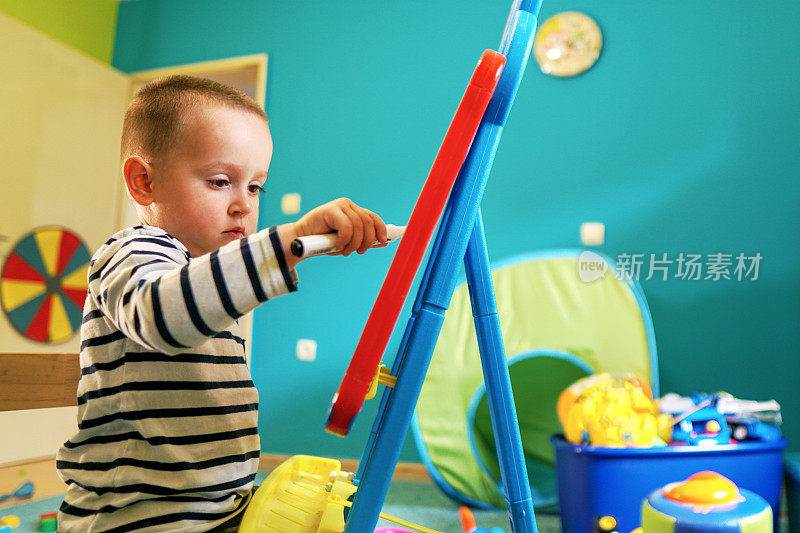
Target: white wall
(60, 119)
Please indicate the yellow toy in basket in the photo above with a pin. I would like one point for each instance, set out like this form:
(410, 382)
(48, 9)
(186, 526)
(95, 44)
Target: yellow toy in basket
(604, 410)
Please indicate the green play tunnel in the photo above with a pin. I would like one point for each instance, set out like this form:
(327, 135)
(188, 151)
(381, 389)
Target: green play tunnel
(558, 326)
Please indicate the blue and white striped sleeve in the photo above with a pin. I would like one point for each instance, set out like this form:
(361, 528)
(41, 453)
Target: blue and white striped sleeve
(161, 299)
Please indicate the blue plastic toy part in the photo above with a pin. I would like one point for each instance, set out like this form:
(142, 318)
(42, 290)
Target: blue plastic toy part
(752, 428)
(510, 455)
(528, 371)
(703, 427)
(23, 491)
(708, 419)
(701, 424)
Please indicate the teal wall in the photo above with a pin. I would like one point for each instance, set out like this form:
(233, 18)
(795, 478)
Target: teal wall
(684, 137)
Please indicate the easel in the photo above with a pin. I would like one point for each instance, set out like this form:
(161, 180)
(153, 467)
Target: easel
(460, 237)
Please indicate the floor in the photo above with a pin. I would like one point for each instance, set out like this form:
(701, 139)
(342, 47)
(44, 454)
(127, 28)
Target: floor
(418, 502)
(424, 503)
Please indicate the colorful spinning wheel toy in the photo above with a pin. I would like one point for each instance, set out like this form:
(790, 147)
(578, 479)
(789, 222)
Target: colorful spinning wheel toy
(43, 284)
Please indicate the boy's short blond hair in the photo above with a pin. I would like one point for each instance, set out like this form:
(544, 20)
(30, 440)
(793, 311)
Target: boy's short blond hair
(153, 119)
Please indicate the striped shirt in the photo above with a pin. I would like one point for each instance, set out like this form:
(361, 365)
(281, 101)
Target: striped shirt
(167, 412)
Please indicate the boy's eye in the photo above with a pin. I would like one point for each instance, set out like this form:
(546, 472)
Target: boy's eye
(219, 183)
(255, 189)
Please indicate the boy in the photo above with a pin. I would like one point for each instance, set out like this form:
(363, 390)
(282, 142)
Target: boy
(167, 420)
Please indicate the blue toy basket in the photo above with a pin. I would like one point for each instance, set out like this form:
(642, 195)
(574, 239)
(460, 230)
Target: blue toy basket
(596, 481)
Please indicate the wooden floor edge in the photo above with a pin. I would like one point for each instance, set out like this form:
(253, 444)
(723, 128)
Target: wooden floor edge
(31, 460)
(402, 472)
(41, 471)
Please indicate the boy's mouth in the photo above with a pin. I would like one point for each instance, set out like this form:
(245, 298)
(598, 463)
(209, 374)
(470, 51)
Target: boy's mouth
(236, 233)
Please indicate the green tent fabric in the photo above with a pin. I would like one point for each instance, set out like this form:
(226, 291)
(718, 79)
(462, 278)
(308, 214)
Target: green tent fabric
(556, 329)
(537, 378)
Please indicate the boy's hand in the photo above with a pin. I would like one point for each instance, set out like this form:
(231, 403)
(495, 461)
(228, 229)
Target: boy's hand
(358, 228)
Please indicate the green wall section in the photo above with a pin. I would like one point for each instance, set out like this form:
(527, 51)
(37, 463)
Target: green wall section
(88, 25)
(683, 137)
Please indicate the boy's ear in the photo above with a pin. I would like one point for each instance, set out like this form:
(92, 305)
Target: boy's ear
(138, 179)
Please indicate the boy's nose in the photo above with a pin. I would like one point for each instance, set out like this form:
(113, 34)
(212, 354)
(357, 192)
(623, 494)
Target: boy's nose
(241, 204)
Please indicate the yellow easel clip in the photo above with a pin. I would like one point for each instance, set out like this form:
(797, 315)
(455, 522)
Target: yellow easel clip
(384, 377)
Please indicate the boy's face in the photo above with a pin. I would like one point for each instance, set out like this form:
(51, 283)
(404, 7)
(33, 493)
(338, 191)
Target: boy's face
(206, 190)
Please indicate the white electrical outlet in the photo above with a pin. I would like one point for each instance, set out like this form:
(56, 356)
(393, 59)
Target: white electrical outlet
(290, 203)
(593, 233)
(306, 349)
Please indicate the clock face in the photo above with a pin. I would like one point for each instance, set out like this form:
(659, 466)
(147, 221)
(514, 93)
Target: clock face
(567, 44)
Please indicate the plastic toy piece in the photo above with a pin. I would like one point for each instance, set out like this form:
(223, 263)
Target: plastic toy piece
(704, 488)
(51, 524)
(468, 525)
(295, 498)
(384, 377)
(10, 520)
(350, 397)
(306, 495)
(390, 518)
(48, 522)
(467, 520)
(22, 492)
(706, 501)
(749, 427)
(702, 425)
(604, 524)
(605, 410)
(728, 405)
(745, 419)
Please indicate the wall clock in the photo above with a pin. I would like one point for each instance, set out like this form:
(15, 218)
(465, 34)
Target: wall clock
(567, 44)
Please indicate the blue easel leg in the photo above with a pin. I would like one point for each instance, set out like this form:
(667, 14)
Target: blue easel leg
(398, 360)
(498, 384)
(376, 473)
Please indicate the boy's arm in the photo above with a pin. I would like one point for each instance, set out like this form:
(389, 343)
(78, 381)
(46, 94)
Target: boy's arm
(157, 296)
(162, 300)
